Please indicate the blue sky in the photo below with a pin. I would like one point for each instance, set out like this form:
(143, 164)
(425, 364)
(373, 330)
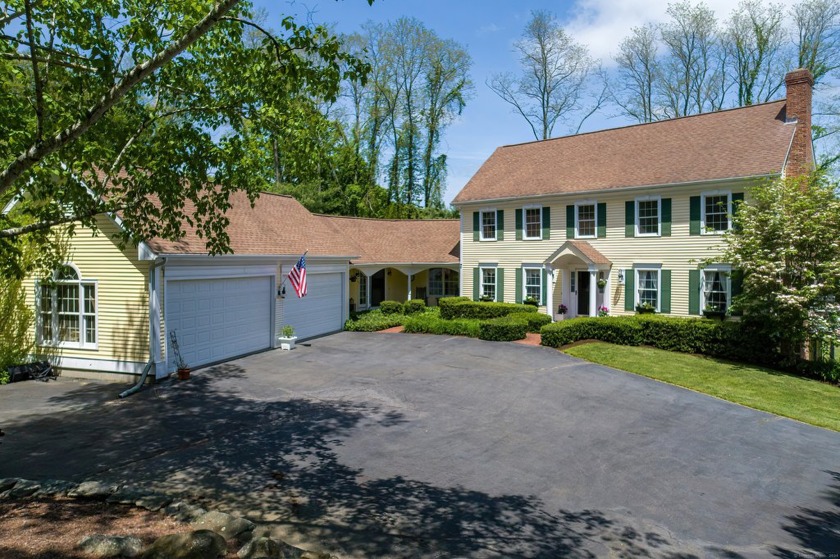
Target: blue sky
(488, 29)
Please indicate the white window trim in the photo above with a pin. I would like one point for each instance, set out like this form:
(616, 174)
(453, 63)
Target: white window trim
(658, 200)
(481, 213)
(525, 223)
(39, 324)
(481, 283)
(648, 268)
(594, 205)
(727, 268)
(703, 229)
(526, 267)
(366, 293)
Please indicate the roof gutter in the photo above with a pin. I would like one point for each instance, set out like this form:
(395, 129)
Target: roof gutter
(618, 189)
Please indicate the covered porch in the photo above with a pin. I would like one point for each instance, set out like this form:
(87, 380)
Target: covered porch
(576, 269)
(370, 284)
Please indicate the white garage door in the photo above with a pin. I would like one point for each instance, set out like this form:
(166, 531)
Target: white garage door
(320, 312)
(219, 319)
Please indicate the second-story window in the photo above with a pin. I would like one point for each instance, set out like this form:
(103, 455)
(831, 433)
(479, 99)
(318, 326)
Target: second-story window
(533, 223)
(488, 225)
(586, 225)
(716, 212)
(648, 217)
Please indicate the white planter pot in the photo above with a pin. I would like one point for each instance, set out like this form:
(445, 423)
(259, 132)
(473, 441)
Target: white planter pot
(559, 317)
(287, 343)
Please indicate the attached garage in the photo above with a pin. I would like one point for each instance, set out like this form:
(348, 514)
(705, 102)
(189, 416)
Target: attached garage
(218, 319)
(321, 311)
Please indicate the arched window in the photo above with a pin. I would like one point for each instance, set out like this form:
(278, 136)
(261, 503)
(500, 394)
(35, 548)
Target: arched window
(67, 310)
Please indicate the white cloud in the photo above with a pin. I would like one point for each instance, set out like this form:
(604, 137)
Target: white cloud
(489, 28)
(602, 24)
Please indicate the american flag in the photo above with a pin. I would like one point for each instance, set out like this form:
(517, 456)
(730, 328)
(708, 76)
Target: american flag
(297, 277)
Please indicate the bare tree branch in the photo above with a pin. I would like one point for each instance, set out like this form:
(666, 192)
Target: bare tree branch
(278, 48)
(42, 47)
(36, 75)
(38, 151)
(12, 232)
(50, 60)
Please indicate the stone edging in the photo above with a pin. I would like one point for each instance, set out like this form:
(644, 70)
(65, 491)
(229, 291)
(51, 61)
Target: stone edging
(208, 540)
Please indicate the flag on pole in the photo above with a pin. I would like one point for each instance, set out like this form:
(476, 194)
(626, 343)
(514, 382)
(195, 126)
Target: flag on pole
(297, 277)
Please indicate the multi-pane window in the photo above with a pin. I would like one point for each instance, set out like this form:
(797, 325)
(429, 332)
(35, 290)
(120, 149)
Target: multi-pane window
(586, 220)
(443, 282)
(67, 310)
(647, 291)
(363, 284)
(533, 283)
(488, 225)
(488, 283)
(716, 290)
(533, 223)
(648, 220)
(716, 212)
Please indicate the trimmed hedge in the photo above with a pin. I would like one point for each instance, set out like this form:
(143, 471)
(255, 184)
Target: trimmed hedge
(432, 323)
(465, 308)
(534, 320)
(503, 329)
(391, 307)
(373, 321)
(414, 306)
(733, 340)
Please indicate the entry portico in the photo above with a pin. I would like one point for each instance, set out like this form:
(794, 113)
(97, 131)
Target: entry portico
(579, 266)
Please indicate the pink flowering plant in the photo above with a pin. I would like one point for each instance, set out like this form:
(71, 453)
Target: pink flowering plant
(603, 310)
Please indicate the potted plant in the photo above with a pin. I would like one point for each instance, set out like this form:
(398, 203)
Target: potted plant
(645, 308)
(531, 300)
(180, 363)
(485, 299)
(287, 337)
(602, 283)
(603, 310)
(561, 312)
(714, 311)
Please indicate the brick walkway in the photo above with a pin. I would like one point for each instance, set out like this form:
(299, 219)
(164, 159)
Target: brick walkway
(530, 339)
(394, 330)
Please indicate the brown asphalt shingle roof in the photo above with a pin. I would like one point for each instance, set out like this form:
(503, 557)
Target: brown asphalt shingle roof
(590, 252)
(400, 241)
(744, 142)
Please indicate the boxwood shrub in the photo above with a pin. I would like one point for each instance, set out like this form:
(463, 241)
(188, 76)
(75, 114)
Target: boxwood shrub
(473, 309)
(391, 307)
(432, 323)
(373, 321)
(535, 320)
(502, 329)
(414, 306)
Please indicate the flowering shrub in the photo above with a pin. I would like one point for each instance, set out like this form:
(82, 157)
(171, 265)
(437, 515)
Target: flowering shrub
(562, 309)
(603, 310)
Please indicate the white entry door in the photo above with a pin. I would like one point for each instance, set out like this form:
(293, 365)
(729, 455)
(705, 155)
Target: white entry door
(218, 319)
(321, 311)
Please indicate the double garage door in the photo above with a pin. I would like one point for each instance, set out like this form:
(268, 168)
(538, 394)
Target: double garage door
(219, 319)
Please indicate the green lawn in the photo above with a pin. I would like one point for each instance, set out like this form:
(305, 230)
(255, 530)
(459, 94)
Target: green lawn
(799, 398)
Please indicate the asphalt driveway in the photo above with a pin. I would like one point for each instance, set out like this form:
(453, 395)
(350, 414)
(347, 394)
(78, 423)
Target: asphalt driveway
(395, 445)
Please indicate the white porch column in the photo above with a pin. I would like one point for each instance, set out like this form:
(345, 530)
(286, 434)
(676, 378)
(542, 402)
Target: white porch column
(409, 286)
(593, 293)
(549, 300)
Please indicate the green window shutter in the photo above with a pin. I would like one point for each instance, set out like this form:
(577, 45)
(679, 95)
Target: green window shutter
(476, 283)
(694, 292)
(476, 225)
(500, 284)
(546, 222)
(629, 289)
(694, 216)
(737, 197)
(666, 217)
(630, 218)
(500, 225)
(602, 220)
(665, 296)
(518, 297)
(736, 283)
(518, 224)
(570, 222)
(544, 300)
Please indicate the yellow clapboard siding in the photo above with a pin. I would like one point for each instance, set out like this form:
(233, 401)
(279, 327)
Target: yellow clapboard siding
(679, 253)
(122, 295)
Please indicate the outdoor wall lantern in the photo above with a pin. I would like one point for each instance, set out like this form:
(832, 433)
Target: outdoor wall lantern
(621, 277)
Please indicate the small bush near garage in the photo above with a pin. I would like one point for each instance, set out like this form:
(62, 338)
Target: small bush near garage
(391, 307)
(535, 320)
(432, 323)
(373, 321)
(481, 311)
(414, 306)
(503, 329)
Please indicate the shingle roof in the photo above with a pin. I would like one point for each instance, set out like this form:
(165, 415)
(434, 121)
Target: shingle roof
(590, 252)
(276, 225)
(744, 142)
(401, 241)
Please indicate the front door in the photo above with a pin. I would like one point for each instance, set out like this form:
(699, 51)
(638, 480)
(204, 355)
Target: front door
(377, 288)
(583, 293)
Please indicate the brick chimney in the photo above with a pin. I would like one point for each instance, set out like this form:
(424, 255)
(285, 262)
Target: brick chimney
(801, 156)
